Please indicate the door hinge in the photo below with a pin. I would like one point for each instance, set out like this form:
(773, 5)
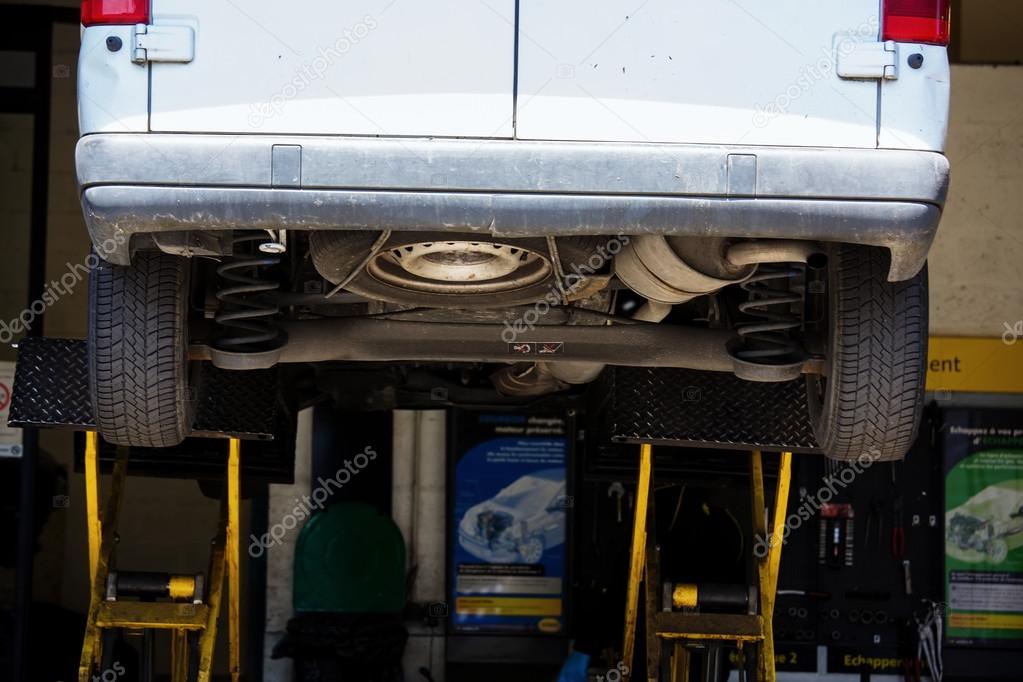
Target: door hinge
(163, 44)
(868, 60)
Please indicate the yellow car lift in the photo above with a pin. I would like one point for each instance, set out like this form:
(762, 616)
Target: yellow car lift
(690, 629)
(186, 611)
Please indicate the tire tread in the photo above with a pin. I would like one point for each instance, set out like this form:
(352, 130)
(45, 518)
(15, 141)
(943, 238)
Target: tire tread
(880, 344)
(137, 344)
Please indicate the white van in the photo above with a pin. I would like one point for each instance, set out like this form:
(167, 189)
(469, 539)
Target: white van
(746, 186)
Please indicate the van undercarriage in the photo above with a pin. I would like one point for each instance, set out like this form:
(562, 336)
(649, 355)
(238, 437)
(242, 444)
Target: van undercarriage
(547, 264)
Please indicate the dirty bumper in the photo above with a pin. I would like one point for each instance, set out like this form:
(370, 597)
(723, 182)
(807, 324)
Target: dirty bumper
(135, 184)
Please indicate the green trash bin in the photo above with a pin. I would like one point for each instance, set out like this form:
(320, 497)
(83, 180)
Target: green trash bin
(349, 597)
(349, 559)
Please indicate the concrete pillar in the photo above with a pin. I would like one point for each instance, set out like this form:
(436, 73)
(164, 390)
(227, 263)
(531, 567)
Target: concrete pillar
(280, 558)
(419, 506)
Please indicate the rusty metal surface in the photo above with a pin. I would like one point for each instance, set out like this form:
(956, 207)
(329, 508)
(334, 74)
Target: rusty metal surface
(708, 626)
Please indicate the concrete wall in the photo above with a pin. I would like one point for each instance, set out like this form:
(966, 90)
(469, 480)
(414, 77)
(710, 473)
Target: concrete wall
(976, 278)
(987, 31)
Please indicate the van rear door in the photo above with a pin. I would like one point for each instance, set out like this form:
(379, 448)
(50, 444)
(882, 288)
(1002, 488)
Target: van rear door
(757, 72)
(355, 67)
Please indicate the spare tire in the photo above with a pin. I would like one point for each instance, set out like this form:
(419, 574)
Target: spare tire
(336, 253)
(437, 269)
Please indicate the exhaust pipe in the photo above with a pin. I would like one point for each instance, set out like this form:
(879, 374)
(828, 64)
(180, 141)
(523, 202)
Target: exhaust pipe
(674, 270)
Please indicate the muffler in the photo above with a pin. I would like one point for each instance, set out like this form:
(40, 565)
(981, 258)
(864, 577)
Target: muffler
(669, 271)
(675, 270)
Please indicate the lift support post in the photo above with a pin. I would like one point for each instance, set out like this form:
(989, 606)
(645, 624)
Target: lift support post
(682, 628)
(187, 611)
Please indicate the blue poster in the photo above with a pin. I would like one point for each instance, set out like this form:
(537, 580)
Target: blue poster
(510, 517)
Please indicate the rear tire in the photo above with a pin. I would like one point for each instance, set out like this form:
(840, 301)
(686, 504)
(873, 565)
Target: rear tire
(138, 351)
(871, 401)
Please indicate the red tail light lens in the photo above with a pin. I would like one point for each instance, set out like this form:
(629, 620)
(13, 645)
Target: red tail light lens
(917, 21)
(115, 12)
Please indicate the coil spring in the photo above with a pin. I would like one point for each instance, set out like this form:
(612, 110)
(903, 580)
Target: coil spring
(244, 307)
(769, 342)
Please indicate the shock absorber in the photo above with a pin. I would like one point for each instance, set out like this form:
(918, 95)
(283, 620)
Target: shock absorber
(246, 312)
(768, 341)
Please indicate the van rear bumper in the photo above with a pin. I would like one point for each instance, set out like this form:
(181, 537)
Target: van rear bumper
(135, 184)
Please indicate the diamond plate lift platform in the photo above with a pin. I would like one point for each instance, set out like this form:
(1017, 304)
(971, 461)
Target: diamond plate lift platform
(691, 408)
(675, 614)
(51, 391)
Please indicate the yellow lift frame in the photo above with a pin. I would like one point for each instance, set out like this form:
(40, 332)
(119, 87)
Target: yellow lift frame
(679, 628)
(180, 616)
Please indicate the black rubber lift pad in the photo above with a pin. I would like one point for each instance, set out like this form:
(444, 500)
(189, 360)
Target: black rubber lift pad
(691, 408)
(51, 390)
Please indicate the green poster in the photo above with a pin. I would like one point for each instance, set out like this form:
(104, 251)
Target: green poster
(984, 525)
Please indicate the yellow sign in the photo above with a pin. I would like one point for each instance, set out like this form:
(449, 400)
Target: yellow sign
(975, 365)
(508, 606)
(995, 621)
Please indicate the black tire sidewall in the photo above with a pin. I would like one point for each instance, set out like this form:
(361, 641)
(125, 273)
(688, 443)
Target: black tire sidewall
(821, 392)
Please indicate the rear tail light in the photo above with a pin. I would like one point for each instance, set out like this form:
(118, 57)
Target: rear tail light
(917, 21)
(115, 12)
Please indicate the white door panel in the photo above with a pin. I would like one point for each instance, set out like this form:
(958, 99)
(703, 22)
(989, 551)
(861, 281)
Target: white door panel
(356, 67)
(915, 108)
(705, 71)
